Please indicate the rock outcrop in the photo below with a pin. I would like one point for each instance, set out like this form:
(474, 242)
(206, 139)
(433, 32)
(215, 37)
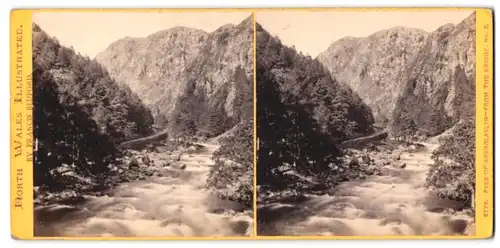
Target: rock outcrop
(174, 66)
(153, 66)
(440, 81)
(371, 65)
(398, 69)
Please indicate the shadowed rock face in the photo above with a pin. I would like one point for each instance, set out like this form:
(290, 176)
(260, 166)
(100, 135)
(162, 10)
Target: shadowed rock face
(162, 67)
(370, 65)
(379, 67)
(440, 80)
(153, 66)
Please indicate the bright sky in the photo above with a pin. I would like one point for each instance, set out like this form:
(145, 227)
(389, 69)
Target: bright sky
(91, 32)
(313, 32)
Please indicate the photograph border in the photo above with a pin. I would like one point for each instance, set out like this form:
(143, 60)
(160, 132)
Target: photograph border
(21, 130)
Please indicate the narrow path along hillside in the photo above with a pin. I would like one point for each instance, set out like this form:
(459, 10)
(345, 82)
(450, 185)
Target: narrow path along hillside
(172, 201)
(393, 203)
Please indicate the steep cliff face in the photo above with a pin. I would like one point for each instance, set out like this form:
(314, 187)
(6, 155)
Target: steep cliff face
(219, 81)
(439, 82)
(180, 65)
(371, 65)
(153, 67)
(408, 74)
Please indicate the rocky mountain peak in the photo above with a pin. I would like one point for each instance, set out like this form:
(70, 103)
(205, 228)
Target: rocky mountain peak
(379, 67)
(370, 65)
(165, 66)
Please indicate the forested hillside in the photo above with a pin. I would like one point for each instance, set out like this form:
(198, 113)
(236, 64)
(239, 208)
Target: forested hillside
(80, 113)
(303, 114)
(233, 173)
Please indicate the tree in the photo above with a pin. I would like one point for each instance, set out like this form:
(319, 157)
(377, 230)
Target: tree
(453, 174)
(217, 121)
(243, 102)
(92, 88)
(63, 57)
(287, 135)
(409, 129)
(232, 175)
(66, 135)
(79, 115)
(303, 114)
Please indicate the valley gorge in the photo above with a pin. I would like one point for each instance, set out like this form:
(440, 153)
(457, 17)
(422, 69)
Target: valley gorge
(386, 154)
(156, 137)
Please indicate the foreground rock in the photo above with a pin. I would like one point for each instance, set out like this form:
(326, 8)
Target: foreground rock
(134, 165)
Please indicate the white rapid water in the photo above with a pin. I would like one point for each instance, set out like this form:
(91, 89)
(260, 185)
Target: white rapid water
(390, 205)
(175, 204)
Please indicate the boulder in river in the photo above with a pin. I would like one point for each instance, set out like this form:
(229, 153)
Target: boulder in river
(183, 167)
(349, 152)
(124, 180)
(127, 153)
(397, 157)
(151, 148)
(179, 157)
(354, 161)
(191, 149)
(146, 160)
(133, 164)
(399, 165)
(366, 159)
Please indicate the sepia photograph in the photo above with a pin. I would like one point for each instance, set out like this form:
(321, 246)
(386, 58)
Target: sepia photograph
(143, 124)
(366, 123)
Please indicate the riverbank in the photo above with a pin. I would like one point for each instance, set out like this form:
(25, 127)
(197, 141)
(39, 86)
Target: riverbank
(163, 194)
(393, 200)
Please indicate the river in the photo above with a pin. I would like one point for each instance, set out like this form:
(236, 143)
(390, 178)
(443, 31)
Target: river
(173, 204)
(395, 203)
